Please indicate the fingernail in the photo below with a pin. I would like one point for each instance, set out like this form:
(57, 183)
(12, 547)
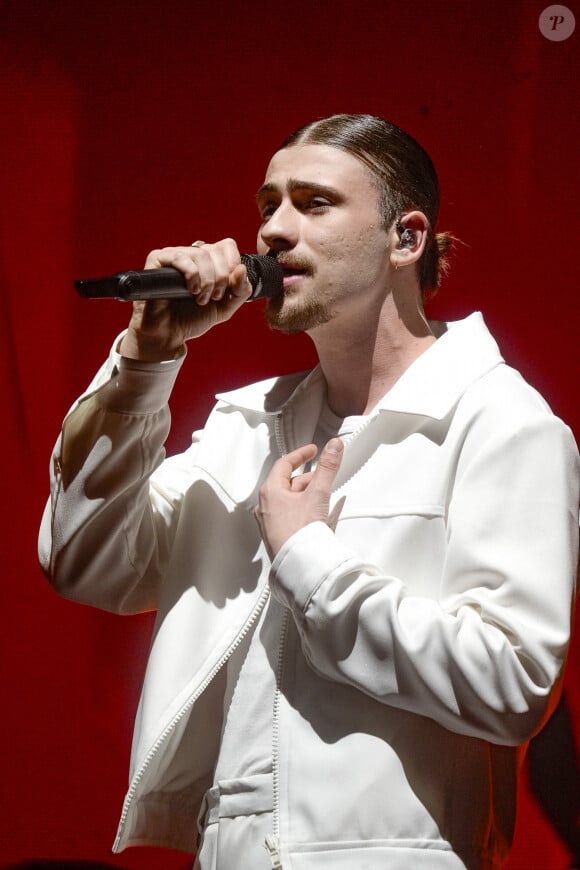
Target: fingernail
(335, 445)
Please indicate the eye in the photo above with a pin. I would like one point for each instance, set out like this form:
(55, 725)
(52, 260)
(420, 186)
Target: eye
(318, 204)
(267, 209)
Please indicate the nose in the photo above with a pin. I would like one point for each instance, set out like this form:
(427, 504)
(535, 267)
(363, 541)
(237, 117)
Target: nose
(280, 232)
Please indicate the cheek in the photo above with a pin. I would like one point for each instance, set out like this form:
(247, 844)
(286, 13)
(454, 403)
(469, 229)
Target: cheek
(372, 245)
(333, 247)
(366, 250)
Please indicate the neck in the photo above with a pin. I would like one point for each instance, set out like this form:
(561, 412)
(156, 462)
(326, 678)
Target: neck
(363, 357)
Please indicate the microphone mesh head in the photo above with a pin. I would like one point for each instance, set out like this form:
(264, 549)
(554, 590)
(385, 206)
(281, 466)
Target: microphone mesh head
(265, 275)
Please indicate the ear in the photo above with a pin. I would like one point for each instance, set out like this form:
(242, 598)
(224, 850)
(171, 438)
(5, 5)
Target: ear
(407, 239)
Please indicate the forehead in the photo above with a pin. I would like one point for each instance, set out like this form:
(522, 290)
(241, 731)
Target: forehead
(319, 165)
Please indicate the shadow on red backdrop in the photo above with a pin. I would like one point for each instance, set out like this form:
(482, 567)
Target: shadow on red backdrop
(130, 126)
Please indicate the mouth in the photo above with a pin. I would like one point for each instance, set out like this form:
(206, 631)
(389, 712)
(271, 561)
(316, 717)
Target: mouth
(292, 276)
(293, 272)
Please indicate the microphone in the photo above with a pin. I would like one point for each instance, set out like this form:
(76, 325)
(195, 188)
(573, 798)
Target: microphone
(264, 273)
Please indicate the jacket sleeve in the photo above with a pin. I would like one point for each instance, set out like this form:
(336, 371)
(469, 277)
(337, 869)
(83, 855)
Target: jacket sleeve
(482, 657)
(106, 530)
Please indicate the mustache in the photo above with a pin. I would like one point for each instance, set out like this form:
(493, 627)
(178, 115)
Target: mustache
(289, 260)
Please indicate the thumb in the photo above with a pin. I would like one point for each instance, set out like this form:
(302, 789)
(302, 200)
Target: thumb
(329, 463)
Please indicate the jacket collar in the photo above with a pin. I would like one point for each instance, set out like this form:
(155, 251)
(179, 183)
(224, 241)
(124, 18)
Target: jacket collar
(430, 387)
(435, 381)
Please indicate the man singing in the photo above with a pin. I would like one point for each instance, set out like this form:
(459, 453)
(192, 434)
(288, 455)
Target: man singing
(363, 574)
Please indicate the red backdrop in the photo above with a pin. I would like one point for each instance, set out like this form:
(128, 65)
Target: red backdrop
(127, 126)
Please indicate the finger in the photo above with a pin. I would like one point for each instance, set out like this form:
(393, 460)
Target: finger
(232, 284)
(152, 261)
(236, 295)
(328, 464)
(225, 260)
(240, 286)
(283, 469)
(170, 255)
(300, 481)
(206, 268)
(203, 272)
(194, 263)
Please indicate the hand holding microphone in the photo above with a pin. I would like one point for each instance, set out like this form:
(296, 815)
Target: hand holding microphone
(264, 274)
(214, 276)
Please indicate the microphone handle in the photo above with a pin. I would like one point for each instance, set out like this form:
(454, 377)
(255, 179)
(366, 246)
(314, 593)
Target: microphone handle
(264, 273)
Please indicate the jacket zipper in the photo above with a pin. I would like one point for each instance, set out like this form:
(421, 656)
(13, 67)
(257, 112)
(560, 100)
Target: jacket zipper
(184, 710)
(273, 847)
(280, 439)
(276, 725)
(273, 840)
(347, 440)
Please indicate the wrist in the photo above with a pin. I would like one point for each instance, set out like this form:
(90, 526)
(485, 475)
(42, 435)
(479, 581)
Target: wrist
(147, 349)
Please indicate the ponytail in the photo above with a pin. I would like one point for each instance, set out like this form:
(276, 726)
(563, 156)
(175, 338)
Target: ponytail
(435, 262)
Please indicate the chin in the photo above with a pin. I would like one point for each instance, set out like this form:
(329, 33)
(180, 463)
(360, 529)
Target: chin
(290, 316)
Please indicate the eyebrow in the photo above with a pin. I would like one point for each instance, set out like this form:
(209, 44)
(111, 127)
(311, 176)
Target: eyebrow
(300, 184)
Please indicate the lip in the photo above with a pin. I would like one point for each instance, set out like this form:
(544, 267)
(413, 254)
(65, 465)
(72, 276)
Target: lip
(292, 276)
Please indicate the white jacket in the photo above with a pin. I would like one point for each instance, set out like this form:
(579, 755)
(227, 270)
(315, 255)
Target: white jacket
(424, 640)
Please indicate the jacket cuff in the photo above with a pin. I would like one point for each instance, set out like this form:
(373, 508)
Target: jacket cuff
(308, 558)
(135, 387)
